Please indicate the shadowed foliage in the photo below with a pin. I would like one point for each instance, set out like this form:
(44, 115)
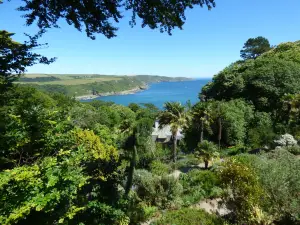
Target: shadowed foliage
(97, 16)
(15, 57)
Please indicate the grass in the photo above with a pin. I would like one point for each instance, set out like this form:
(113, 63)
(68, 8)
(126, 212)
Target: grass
(70, 79)
(36, 75)
(74, 81)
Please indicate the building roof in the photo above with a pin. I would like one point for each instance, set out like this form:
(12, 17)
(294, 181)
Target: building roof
(164, 132)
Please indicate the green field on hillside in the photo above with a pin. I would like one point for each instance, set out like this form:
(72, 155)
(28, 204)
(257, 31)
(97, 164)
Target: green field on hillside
(88, 84)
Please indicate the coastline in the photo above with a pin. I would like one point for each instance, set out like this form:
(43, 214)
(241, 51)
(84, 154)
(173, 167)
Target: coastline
(125, 92)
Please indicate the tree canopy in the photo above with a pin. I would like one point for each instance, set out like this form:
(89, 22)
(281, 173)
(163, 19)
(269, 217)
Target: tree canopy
(100, 17)
(15, 57)
(263, 80)
(254, 47)
(63, 161)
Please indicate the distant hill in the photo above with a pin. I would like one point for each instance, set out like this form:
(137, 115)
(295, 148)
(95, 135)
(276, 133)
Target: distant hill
(92, 84)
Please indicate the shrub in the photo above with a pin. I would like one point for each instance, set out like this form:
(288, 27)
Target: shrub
(186, 162)
(163, 192)
(139, 211)
(249, 160)
(244, 194)
(193, 160)
(162, 152)
(189, 216)
(234, 150)
(286, 140)
(294, 149)
(279, 176)
(159, 168)
(207, 151)
(198, 184)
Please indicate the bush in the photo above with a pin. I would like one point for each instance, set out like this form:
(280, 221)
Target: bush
(139, 211)
(286, 140)
(294, 149)
(198, 184)
(234, 150)
(159, 168)
(162, 152)
(163, 192)
(187, 161)
(279, 175)
(244, 194)
(193, 160)
(249, 160)
(189, 216)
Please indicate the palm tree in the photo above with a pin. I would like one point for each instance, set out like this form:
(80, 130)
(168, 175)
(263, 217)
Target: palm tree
(220, 126)
(201, 113)
(218, 116)
(206, 150)
(175, 115)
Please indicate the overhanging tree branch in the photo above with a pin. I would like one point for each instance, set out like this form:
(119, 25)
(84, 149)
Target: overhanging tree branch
(100, 16)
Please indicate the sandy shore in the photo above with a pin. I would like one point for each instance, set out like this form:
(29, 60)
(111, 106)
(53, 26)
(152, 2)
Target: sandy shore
(126, 92)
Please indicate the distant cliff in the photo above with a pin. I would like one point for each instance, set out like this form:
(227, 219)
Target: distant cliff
(89, 86)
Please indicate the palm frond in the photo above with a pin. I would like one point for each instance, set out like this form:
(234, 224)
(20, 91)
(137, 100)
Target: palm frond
(175, 115)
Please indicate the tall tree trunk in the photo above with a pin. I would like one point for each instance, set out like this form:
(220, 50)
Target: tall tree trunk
(289, 113)
(174, 147)
(206, 164)
(202, 131)
(220, 126)
(131, 171)
(220, 131)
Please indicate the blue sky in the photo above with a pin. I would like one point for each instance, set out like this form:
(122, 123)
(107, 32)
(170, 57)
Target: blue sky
(209, 41)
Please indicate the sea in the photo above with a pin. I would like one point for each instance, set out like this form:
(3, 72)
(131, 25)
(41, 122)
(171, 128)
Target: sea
(159, 93)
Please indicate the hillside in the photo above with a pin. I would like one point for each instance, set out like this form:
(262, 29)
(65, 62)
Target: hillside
(89, 85)
(263, 81)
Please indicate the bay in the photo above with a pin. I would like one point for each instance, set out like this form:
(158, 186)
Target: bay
(159, 93)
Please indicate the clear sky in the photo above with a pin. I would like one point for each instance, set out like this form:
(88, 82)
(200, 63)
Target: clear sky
(209, 41)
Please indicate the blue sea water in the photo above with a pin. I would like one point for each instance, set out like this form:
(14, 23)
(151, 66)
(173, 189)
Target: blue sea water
(159, 93)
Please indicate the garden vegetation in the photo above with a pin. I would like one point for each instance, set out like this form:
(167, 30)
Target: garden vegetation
(63, 161)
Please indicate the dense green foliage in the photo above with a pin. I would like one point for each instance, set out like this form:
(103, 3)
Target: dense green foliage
(244, 195)
(207, 151)
(263, 81)
(189, 216)
(198, 185)
(276, 174)
(225, 122)
(63, 161)
(161, 191)
(254, 47)
(267, 87)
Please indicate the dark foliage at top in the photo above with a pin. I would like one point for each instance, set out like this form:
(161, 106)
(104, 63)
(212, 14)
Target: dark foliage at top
(96, 16)
(15, 57)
